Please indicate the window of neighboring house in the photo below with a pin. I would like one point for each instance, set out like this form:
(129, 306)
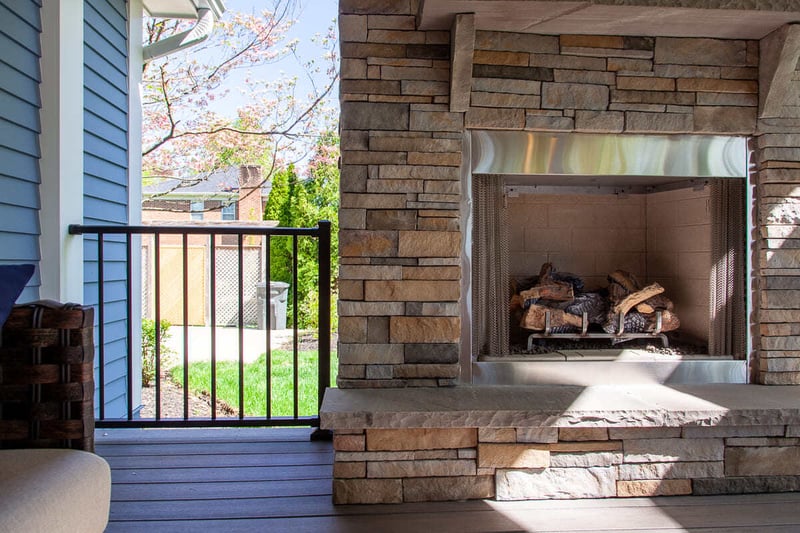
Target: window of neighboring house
(229, 212)
(196, 209)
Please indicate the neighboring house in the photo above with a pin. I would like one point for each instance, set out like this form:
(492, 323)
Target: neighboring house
(224, 195)
(235, 195)
(70, 149)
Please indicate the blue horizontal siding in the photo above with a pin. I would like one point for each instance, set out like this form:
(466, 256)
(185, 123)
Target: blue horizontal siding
(115, 332)
(105, 182)
(100, 211)
(98, 85)
(98, 167)
(19, 57)
(19, 112)
(18, 219)
(112, 12)
(25, 11)
(19, 247)
(104, 149)
(109, 130)
(101, 106)
(113, 292)
(19, 165)
(20, 27)
(21, 84)
(21, 192)
(104, 72)
(101, 24)
(23, 28)
(20, 139)
(105, 191)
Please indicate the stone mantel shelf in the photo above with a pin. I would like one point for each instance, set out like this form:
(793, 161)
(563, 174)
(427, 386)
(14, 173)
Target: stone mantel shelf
(562, 406)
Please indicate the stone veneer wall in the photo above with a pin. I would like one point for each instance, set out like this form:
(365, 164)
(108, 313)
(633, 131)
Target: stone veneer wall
(412, 465)
(778, 262)
(399, 239)
(400, 235)
(400, 243)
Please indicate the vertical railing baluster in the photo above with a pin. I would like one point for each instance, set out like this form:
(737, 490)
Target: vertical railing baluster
(128, 299)
(185, 326)
(157, 325)
(241, 325)
(101, 330)
(295, 347)
(213, 317)
(268, 322)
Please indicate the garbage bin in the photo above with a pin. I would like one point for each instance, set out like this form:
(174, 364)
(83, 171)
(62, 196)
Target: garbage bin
(278, 293)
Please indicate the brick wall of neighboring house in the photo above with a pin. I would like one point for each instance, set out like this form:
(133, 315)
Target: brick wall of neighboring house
(400, 238)
(250, 206)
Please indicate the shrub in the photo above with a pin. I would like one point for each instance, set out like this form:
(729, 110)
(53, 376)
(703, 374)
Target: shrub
(149, 348)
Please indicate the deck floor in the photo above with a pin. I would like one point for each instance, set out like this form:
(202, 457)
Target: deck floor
(276, 480)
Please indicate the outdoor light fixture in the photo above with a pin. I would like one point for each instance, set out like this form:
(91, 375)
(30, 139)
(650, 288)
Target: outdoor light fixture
(206, 12)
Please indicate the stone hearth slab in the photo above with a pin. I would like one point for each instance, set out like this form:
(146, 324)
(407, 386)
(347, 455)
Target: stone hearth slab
(562, 406)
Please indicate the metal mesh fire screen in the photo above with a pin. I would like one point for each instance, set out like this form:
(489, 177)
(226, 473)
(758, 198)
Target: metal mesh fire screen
(727, 325)
(490, 285)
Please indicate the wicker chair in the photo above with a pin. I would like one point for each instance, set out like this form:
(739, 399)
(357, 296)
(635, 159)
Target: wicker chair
(49, 477)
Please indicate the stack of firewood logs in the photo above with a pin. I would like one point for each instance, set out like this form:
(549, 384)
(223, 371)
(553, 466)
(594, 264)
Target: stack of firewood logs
(624, 303)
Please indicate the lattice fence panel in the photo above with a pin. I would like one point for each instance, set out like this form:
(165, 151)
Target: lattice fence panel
(227, 265)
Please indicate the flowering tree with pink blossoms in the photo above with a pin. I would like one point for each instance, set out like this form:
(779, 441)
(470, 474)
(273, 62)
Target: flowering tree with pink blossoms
(191, 123)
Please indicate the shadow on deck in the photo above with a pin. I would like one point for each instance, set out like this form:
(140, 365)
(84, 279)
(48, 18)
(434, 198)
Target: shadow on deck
(276, 480)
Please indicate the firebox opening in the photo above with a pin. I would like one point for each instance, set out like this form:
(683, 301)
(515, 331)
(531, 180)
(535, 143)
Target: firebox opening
(657, 261)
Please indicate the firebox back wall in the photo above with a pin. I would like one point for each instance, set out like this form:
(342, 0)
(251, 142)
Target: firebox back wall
(661, 237)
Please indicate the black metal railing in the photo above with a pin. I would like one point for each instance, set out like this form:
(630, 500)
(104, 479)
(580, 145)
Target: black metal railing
(109, 278)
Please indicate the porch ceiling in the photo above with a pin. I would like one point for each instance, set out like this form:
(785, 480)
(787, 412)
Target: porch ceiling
(724, 19)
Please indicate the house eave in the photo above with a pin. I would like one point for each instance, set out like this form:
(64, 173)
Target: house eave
(185, 9)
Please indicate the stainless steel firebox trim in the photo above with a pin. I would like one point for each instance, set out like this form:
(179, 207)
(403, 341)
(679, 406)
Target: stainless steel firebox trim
(575, 154)
(466, 260)
(488, 152)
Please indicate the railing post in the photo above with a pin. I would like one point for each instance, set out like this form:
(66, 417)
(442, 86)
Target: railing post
(324, 347)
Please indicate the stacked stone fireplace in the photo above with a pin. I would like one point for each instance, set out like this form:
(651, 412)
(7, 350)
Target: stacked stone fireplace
(411, 91)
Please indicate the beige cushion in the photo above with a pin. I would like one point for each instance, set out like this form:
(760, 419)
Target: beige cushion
(53, 490)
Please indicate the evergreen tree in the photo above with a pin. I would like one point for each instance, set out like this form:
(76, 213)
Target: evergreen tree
(303, 203)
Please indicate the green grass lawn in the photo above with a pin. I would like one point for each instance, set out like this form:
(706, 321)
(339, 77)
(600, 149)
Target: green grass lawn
(255, 390)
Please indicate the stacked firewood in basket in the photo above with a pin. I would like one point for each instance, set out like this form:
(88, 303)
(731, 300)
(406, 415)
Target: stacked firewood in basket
(623, 307)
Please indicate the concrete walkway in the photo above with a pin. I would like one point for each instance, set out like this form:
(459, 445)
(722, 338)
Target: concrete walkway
(227, 342)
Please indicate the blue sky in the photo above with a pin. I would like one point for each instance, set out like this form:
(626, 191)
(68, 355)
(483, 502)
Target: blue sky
(313, 17)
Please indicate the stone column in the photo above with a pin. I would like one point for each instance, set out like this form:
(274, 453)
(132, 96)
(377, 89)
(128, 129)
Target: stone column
(778, 266)
(399, 238)
(777, 156)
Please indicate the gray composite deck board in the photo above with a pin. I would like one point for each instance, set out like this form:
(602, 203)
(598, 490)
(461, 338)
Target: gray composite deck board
(201, 461)
(277, 480)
